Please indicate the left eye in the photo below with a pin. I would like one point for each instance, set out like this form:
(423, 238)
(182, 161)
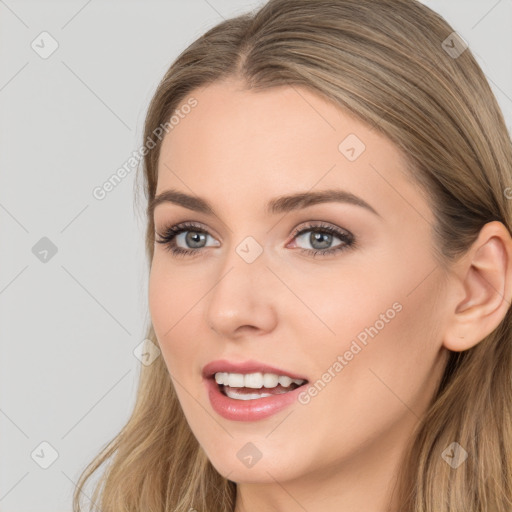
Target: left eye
(320, 239)
(317, 239)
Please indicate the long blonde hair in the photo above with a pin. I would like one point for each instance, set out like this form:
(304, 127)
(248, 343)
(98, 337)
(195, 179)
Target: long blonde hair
(389, 63)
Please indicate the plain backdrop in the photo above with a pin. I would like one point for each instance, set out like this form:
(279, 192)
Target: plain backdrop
(73, 283)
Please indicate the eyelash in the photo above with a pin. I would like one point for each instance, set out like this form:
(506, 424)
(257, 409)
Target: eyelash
(171, 232)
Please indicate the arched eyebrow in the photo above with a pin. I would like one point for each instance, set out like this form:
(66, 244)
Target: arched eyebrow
(277, 205)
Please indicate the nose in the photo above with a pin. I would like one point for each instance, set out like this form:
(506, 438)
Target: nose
(243, 298)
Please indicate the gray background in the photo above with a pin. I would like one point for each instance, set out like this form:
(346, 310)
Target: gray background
(69, 324)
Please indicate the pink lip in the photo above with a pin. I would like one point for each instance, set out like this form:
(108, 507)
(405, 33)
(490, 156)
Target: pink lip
(223, 365)
(248, 410)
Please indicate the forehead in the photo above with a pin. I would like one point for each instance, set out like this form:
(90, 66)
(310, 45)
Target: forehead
(227, 116)
(243, 145)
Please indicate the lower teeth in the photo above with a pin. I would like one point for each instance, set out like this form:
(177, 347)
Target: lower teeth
(237, 395)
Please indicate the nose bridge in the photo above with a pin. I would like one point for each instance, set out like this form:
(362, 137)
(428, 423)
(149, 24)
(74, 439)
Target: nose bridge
(247, 260)
(241, 294)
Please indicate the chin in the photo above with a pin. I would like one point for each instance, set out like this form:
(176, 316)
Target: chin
(241, 469)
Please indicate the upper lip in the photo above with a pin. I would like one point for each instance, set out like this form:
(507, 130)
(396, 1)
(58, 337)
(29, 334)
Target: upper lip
(223, 365)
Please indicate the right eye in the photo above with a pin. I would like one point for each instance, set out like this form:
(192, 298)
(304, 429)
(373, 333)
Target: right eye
(187, 234)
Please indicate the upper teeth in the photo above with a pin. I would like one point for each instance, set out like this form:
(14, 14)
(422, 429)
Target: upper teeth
(255, 380)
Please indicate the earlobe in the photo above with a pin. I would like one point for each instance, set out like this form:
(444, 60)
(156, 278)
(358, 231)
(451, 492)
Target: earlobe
(484, 278)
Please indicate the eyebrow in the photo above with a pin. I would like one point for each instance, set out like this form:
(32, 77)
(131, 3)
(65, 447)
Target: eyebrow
(282, 204)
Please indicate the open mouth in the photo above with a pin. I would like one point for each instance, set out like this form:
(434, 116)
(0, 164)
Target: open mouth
(253, 386)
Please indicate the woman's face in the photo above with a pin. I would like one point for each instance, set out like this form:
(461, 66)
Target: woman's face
(345, 296)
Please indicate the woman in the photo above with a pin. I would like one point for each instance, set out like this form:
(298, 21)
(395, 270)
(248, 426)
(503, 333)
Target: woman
(331, 272)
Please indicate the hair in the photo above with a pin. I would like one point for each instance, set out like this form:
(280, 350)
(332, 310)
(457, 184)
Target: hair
(382, 61)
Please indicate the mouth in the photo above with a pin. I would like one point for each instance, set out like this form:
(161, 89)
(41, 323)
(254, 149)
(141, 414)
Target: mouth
(253, 386)
(250, 391)
(239, 402)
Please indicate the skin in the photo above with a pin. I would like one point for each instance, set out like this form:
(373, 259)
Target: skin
(340, 451)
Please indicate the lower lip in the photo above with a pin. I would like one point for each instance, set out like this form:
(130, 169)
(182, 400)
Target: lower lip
(248, 410)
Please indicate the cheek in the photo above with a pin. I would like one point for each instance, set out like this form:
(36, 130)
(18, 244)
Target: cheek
(384, 322)
(387, 382)
(160, 301)
(170, 302)
(346, 306)
(391, 354)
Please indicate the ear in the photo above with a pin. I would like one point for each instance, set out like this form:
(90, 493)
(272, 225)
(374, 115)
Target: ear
(483, 279)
